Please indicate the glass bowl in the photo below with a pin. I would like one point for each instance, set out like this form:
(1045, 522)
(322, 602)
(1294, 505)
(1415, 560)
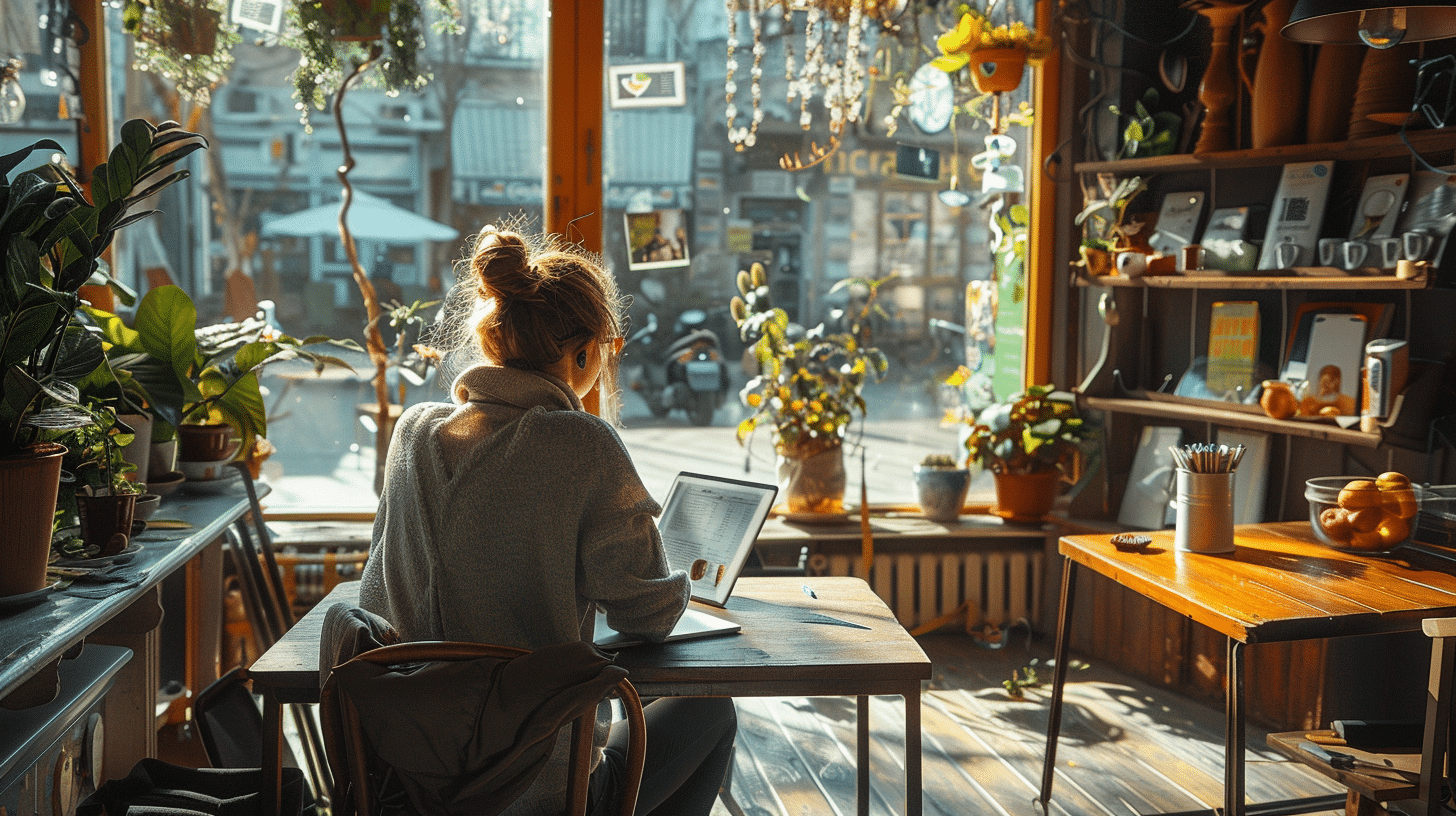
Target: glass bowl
(1361, 517)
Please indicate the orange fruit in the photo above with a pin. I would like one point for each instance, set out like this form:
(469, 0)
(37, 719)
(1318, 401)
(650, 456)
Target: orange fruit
(1366, 519)
(1278, 401)
(1359, 493)
(1336, 524)
(1367, 541)
(1392, 531)
(1392, 480)
(1399, 503)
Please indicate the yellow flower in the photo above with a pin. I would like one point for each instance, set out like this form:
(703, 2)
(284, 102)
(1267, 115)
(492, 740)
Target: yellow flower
(754, 400)
(783, 392)
(796, 406)
(816, 406)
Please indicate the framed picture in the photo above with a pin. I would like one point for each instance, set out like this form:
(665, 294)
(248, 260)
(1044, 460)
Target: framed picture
(657, 239)
(655, 85)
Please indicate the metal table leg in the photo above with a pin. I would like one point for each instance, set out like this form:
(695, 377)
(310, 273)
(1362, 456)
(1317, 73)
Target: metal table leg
(1059, 680)
(862, 755)
(1233, 761)
(913, 782)
(272, 755)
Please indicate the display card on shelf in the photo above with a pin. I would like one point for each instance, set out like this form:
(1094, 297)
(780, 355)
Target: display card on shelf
(1177, 222)
(1377, 324)
(1233, 347)
(1146, 502)
(1225, 240)
(1379, 208)
(1252, 477)
(1296, 216)
(1332, 370)
(1430, 209)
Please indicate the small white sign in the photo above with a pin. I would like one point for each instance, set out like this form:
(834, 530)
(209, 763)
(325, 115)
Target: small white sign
(262, 15)
(657, 85)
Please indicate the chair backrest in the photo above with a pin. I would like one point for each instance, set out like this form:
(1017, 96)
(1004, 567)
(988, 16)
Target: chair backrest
(1436, 737)
(360, 771)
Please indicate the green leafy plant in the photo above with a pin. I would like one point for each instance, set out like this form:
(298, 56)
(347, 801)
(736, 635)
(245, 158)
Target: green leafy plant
(207, 374)
(1102, 219)
(189, 42)
(51, 241)
(94, 454)
(809, 383)
(1036, 431)
(335, 35)
(1148, 134)
(1026, 677)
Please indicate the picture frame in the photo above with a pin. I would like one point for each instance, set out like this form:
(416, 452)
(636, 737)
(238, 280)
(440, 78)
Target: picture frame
(657, 239)
(648, 85)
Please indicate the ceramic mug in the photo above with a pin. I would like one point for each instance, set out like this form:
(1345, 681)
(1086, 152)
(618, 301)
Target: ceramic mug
(1353, 253)
(1415, 245)
(1132, 264)
(1287, 254)
(1329, 251)
(1387, 252)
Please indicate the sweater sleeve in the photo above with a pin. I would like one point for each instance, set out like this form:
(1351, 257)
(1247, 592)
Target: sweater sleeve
(623, 566)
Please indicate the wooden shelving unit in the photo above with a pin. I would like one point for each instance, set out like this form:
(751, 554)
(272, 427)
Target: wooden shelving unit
(1318, 278)
(1208, 412)
(1374, 147)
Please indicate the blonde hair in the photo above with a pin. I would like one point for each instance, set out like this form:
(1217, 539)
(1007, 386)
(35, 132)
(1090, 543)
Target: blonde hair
(538, 298)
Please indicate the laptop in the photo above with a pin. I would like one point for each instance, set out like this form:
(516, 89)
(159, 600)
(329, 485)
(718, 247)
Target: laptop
(708, 527)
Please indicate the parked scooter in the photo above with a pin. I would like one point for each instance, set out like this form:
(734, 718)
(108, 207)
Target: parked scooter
(682, 370)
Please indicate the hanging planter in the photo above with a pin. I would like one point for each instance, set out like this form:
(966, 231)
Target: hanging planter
(193, 30)
(356, 20)
(997, 70)
(188, 42)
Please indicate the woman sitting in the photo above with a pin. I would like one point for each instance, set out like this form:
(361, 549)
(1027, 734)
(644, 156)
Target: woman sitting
(508, 516)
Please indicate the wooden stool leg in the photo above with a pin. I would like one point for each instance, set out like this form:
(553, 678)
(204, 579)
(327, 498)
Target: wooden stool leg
(1357, 805)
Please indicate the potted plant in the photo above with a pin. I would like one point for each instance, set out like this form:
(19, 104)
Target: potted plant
(333, 35)
(203, 381)
(1105, 230)
(994, 56)
(1030, 443)
(189, 42)
(51, 239)
(940, 487)
(808, 389)
(99, 496)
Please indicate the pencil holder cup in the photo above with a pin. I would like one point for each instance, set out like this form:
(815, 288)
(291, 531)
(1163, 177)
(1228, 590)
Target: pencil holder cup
(1205, 519)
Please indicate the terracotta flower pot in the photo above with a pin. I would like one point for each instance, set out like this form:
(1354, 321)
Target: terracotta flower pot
(106, 521)
(996, 70)
(29, 484)
(1026, 496)
(205, 443)
(813, 483)
(1098, 261)
(357, 20)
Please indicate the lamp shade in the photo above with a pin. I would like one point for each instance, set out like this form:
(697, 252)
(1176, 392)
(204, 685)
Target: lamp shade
(1339, 21)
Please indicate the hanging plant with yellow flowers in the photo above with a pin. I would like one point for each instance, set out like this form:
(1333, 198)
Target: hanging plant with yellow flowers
(995, 54)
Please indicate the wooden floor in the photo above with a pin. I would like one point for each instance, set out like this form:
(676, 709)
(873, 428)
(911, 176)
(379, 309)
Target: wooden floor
(1127, 748)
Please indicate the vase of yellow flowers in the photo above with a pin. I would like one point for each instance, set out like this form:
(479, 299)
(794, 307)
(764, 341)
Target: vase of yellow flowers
(808, 390)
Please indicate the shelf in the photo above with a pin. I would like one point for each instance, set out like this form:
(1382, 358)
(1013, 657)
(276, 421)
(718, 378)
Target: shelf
(1274, 280)
(1208, 412)
(1373, 147)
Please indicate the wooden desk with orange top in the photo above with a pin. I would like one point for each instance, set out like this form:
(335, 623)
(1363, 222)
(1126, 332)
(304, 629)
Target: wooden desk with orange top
(1279, 584)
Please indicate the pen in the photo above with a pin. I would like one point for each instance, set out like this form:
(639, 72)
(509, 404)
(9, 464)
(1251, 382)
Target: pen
(808, 591)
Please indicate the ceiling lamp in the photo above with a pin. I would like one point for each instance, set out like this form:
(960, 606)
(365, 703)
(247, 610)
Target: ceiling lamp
(1375, 24)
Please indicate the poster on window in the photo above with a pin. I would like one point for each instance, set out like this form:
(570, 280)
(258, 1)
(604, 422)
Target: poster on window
(657, 239)
(659, 85)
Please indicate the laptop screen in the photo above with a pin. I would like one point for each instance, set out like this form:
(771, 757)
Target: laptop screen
(708, 527)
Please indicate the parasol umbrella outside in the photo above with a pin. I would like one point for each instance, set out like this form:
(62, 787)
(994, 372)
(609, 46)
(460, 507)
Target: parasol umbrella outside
(371, 218)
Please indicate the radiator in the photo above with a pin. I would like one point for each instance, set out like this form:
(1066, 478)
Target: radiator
(997, 587)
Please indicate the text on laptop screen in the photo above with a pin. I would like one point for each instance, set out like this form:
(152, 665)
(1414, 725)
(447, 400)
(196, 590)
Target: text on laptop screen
(708, 527)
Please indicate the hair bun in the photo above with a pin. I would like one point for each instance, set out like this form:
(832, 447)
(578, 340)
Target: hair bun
(502, 263)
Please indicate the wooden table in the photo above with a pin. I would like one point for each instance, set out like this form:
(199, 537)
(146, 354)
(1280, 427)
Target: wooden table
(1279, 584)
(776, 655)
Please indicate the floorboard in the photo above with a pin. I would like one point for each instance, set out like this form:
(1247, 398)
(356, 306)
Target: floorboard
(1128, 748)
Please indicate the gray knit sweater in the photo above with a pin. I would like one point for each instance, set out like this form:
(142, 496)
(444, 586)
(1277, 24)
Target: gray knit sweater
(506, 516)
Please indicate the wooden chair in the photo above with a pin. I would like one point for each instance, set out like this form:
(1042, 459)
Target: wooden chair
(1414, 783)
(349, 752)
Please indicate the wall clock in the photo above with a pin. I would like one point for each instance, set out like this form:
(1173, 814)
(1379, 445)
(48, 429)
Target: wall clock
(931, 99)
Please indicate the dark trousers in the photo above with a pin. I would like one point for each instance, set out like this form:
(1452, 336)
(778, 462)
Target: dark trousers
(689, 750)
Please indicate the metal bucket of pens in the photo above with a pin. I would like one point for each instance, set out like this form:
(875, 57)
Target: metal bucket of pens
(1205, 518)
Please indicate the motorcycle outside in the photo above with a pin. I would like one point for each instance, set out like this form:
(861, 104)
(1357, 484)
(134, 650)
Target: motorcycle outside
(684, 370)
